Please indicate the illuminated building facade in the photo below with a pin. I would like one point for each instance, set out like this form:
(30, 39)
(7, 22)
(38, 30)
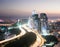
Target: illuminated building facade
(34, 21)
(43, 23)
(40, 24)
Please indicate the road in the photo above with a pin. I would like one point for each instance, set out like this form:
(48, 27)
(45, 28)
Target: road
(24, 29)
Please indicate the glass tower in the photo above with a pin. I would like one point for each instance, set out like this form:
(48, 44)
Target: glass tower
(43, 24)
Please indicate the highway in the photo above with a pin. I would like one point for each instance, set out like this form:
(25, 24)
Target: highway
(25, 29)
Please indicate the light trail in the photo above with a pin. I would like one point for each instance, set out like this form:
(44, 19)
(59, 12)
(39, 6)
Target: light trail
(27, 28)
(39, 40)
(15, 37)
(22, 31)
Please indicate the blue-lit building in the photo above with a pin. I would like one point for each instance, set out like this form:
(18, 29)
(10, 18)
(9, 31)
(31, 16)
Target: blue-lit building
(33, 21)
(44, 24)
(40, 24)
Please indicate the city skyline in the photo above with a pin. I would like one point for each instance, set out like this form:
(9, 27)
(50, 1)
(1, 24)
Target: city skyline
(25, 7)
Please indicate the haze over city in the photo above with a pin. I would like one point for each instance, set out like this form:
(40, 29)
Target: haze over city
(29, 23)
(24, 8)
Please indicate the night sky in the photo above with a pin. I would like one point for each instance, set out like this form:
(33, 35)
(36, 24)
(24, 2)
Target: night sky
(24, 8)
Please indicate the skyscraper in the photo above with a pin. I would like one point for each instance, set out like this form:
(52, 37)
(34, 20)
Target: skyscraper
(33, 20)
(43, 24)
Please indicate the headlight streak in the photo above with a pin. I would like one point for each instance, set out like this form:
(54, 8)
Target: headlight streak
(39, 38)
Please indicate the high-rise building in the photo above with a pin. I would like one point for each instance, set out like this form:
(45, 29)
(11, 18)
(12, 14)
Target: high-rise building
(34, 20)
(43, 24)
